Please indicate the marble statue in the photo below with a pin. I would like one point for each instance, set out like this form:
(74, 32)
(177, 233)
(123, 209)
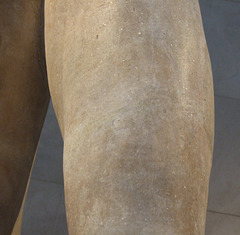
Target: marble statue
(132, 89)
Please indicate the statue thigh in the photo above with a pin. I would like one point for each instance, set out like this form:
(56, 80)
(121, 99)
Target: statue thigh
(24, 98)
(132, 89)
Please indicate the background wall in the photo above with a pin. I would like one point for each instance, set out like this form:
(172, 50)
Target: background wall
(222, 28)
(44, 212)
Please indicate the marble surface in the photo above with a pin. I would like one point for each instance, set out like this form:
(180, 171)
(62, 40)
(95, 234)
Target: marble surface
(44, 211)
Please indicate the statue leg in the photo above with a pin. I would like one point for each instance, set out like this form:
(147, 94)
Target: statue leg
(132, 88)
(18, 224)
(24, 98)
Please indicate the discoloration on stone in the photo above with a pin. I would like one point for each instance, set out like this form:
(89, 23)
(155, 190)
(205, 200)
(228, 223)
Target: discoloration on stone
(135, 106)
(132, 89)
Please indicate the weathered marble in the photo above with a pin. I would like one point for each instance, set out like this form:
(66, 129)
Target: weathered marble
(24, 99)
(132, 89)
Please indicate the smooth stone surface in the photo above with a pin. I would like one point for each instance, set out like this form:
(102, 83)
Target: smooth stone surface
(218, 224)
(41, 209)
(224, 195)
(210, 17)
(224, 186)
(136, 112)
(222, 28)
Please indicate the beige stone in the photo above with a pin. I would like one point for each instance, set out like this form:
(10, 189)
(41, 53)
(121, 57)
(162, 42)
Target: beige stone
(132, 88)
(131, 85)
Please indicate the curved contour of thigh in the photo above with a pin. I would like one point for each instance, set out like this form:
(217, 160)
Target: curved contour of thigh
(24, 98)
(131, 82)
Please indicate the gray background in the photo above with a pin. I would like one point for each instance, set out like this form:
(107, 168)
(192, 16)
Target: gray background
(44, 212)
